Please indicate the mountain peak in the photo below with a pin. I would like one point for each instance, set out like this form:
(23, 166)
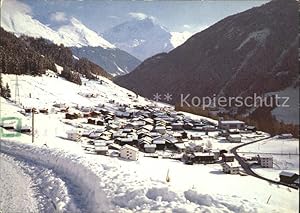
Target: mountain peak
(16, 18)
(142, 37)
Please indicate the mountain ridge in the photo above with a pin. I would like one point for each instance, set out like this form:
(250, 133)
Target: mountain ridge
(240, 54)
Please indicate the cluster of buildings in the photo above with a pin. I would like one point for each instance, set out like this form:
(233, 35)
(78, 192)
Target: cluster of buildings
(144, 128)
(147, 129)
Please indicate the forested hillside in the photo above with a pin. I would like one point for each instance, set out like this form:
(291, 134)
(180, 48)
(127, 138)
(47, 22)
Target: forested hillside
(33, 56)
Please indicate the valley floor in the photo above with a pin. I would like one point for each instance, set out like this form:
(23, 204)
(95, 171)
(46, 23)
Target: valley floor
(54, 171)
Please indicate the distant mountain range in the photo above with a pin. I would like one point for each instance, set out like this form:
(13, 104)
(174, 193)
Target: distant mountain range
(115, 60)
(255, 51)
(142, 38)
(71, 33)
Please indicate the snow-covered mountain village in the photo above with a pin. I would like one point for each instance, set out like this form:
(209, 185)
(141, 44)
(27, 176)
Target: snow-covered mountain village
(73, 139)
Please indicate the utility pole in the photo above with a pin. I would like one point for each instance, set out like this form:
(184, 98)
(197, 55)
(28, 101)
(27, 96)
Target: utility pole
(32, 120)
(17, 91)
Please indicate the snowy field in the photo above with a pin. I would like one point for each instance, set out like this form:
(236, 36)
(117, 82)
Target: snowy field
(285, 153)
(67, 178)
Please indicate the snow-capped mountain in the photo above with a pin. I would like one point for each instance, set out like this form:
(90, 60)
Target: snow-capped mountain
(16, 17)
(253, 52)
(178, 38)
(77, 34)
(142, 37)
(72, 33)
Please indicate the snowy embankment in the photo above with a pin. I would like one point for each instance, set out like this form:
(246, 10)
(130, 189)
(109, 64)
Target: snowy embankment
(123, 186)
(17, 197)
(88, 196)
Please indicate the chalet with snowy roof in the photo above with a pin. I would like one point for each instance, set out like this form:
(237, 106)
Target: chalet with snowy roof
(231, 168)
(95, 134)
(114, 146)
(138, 124)
(177, 135)
(233, 138)
(150, 148)
(73, 135)
(285, 136)
(147, 127)
(180, 147)
(288, 177)
(227, 157)
(177, 126)
(101, 149)
(160, 143)
(91, 121)
(188, 126)
(149, 121)
(160, 129)
(124, 141)
(24, 129)
(251, 128)
(129, 152)
(231, 124)
(95, 114)
(142, 132)
(100, 122)
(113, 127)
(195, 137)
(206, 157)
(72, 116)
(209, 128)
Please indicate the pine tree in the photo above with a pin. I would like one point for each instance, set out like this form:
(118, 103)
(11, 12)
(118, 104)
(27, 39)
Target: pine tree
(7, 91)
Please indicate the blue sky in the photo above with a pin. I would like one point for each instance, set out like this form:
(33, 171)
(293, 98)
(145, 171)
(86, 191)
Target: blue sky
(176, 16)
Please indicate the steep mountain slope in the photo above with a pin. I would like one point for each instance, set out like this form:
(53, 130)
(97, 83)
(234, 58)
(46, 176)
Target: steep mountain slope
(16, 17)
(116, 61)
(33, 56)
(142, 38)
(251, 52)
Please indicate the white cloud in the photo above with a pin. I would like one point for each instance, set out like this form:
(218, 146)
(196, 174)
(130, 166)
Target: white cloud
(139, 16)
(13, 5)
(187, 26)
(58, 16)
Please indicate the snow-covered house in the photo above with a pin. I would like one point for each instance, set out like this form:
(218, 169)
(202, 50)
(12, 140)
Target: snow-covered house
(73, 135)
(200, 157)
(180, 147)
(265, 161)
(228, 157)
(288, 177)
(129, 152)
(25, 129)
(101, 149)
(150, 148)
(177, 126)
(232, 124)
(160, 129)
(233, 138)
(231, 168)
(285, 136)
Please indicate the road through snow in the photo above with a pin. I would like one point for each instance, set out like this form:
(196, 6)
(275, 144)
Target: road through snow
(17, 197)
(29, 184)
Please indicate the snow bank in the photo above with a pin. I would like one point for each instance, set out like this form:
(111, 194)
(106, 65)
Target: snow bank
(85, 179)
